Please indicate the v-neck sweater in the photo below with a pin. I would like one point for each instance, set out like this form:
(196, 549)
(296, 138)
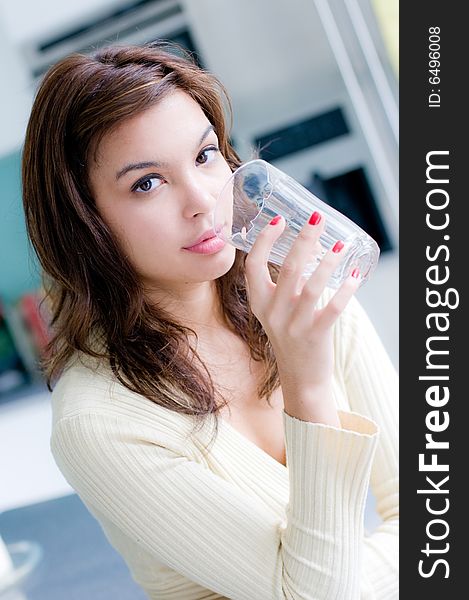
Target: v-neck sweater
(233, 522)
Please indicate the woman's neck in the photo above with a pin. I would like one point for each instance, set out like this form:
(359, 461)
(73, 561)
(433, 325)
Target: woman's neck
(197, 307)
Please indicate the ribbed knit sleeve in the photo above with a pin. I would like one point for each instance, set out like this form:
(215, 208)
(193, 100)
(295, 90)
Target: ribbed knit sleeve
(371, 384)
(329, 474)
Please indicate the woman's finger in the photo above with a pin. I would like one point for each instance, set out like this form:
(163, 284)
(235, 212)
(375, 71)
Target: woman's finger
(256, 268)
(303, 250)
(339, 300)
(314, 287)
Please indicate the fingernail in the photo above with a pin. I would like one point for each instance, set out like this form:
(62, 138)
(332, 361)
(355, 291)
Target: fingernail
(314, 218)
(275, 220)
(355, 273)
(338, 247)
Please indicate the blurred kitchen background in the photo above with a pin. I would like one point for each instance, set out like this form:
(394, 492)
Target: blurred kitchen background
(314, 84)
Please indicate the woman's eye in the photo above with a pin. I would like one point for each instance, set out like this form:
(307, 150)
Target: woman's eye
(147, 184)
(207, 155)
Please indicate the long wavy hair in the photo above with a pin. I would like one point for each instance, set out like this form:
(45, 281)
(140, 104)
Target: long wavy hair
(93, 292)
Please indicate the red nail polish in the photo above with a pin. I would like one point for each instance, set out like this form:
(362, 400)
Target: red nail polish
(314, 218)
(275, 220)
(338, 247)
(355, 273)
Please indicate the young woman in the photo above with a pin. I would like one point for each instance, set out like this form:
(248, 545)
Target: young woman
(162, 331)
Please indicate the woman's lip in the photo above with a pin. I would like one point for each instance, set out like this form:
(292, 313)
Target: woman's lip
(203, 238)
(206, 236)
(209, 246)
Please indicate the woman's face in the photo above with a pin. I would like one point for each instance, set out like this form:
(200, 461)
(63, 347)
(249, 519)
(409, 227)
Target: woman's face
(155, 183)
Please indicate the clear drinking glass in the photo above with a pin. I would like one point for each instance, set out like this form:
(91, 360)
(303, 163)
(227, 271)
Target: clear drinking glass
(257, 191)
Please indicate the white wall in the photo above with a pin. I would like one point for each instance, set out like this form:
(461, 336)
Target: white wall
(16, 96)
(26, 19)
(20, 21)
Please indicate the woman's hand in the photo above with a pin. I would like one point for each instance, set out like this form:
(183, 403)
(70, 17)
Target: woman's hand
(300, 333)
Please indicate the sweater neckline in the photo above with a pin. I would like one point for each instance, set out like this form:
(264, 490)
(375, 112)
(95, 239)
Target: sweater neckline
(262, 453)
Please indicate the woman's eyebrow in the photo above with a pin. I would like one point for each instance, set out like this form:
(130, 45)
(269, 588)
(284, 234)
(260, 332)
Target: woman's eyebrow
(140, 165)
(157, 165)
(205, 134)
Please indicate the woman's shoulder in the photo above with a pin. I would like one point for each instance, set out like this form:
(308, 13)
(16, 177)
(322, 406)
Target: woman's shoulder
(85, 384)
(88, 391)
(97, 422)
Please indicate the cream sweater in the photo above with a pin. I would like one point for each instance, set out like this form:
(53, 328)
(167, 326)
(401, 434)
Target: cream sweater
(235, 523)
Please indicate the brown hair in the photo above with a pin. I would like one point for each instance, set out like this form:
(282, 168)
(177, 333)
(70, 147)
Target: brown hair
(93, 289)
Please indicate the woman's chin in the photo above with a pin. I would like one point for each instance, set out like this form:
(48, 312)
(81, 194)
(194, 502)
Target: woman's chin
(216, 265)
(223, 261)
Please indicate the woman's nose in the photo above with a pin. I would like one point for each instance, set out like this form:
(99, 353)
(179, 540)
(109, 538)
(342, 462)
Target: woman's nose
(198, 197)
